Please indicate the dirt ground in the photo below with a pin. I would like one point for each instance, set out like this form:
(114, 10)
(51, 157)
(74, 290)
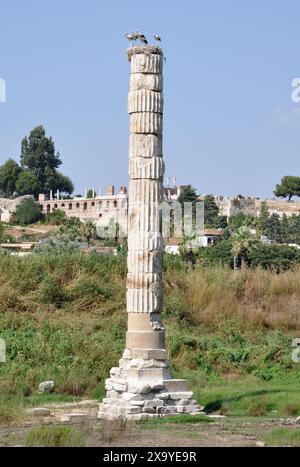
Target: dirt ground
(227, 432)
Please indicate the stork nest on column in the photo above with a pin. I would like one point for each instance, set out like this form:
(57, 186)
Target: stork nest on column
(144, 49)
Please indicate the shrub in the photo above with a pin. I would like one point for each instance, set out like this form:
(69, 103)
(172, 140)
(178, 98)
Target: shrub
(57, 217)
(277, 257)
(27, 212)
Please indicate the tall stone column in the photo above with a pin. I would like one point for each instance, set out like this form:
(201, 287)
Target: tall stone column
(142, 385)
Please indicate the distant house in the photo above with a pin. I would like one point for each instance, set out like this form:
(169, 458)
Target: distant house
(172, 245)
(210, 237)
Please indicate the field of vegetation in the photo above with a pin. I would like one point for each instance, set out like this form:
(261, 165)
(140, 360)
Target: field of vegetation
(229, 333)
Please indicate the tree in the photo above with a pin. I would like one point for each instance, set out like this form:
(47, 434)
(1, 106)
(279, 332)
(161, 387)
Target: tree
(57, 181)
(273, 228)
(285, 229)
(275, 257)
(39, 156)
(91, 193)
(294, 229)
(239, 220)
(244, 243)
(188, 195)
(264, 216)
(38, 152)
(211, 212)
(27, 183)
(9, 173)
(27, 212)
(1, 231)
(289, 187)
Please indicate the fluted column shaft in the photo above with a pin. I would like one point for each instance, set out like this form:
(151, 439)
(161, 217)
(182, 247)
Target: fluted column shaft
(146, 171)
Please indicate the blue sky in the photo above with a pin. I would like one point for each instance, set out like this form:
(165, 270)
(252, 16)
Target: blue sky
(230, 124)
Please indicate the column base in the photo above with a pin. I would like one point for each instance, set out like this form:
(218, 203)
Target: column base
(142, 387)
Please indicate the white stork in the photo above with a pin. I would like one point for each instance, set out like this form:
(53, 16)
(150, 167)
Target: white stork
(130, 37)
(157, 37)
(142, 38)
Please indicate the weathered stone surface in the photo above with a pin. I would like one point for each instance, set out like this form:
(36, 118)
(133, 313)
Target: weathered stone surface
(147, 354)
(144, 322)
(141, 387)
(154, 403)
(143, 63)
(109, 385)
(144, 217)
(112, 394)
(46, 386)
(145, 300)
(164, 395)
(176, 385)
(72, 418)
(142, 281)
(148, 146)
(166, 410)
(156, 386)
(187, 409)
(181, 395)
(145, 191)
(152, 82)
(145, 101)
(146, 122)
(145, 241)
(150, 410)
(137, 403)
(141, 363)
(120, 387)
(144, 262)
(142, 339)
(133, 410)
(146, 167)
(115, 371)
(130, 396)
(148, 373)
(41, 412)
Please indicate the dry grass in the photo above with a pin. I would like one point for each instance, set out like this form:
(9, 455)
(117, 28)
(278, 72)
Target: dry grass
(256, 298)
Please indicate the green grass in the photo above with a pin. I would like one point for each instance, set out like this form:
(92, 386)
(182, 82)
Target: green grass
(249, 396)
(63, 318)
(283, 437)
(39, 399)
(54, 436)
(11, 409)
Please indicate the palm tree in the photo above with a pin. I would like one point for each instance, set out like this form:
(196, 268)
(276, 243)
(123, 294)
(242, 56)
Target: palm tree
(243, 244)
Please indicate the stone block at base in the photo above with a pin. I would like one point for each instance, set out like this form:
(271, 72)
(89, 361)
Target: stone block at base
(138, 394)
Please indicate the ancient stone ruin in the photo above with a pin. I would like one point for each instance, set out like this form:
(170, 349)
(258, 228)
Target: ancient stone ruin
(142, 385)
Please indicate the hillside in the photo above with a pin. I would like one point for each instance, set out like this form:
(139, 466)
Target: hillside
(230, 334)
